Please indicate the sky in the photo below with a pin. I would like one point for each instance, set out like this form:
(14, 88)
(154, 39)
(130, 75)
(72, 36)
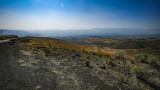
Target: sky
(79, 14)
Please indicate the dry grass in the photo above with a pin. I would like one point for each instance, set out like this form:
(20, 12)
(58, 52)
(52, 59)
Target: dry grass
(50, 43)
(38, 87)
(111, 56)
(22, 65)
(8, 37)
(149, 61)
(130, 58)
(55, 43)
(21, 61)
(137, 70)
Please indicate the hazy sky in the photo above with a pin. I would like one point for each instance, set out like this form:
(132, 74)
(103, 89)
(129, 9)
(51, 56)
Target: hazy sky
(79, 14)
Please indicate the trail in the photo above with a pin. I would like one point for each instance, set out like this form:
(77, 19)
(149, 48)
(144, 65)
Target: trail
(2, 41)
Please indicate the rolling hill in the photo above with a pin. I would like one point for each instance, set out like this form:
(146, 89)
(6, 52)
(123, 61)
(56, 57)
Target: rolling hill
(52, 64)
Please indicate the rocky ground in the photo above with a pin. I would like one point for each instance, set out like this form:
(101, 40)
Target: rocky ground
(27, 69)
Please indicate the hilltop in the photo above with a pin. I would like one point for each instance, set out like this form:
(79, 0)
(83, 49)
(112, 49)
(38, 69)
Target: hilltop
(49, 63)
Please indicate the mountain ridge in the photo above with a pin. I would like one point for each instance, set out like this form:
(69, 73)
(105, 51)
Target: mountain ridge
(123, 33)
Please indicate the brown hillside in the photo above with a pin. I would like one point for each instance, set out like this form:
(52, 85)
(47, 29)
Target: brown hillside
(117, 43)
(52, 43)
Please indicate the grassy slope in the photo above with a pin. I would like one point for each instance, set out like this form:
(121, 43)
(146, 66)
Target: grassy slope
(51, 43)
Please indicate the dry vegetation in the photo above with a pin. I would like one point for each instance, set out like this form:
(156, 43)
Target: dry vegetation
(149, 56)
(49, 43)
(137, 70)
(138, 55)
(67, 64)
(136, 50)
(130, 58)
(4, 37)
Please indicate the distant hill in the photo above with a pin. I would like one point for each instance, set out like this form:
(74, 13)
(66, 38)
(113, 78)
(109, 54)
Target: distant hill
(19, 33)
(117, 43)
(106, 32)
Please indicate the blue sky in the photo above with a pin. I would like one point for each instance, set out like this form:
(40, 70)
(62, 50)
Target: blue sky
(79, 14)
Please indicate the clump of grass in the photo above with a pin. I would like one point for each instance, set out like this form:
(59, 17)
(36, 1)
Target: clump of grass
(141, 57)
(38, 87)
(137, 70)
(130, 58)
(21, 61)
(22, 65)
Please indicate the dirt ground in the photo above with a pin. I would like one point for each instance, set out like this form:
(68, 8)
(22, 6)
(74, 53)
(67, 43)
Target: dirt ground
(23, 69)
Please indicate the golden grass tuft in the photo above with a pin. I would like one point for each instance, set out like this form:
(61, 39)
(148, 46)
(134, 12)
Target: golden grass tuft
(110, 55)
(38, 87)
(22, 65)
(130, 58)
(21, 61)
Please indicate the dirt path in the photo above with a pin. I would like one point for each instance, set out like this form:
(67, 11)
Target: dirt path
(2, 41)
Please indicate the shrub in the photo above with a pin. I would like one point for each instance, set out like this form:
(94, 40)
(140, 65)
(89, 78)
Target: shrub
(137, 70)
(87, 61)
(141, 57)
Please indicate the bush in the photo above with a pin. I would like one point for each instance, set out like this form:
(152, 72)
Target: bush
(137, 70)
(87, 61)
(141, 57)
